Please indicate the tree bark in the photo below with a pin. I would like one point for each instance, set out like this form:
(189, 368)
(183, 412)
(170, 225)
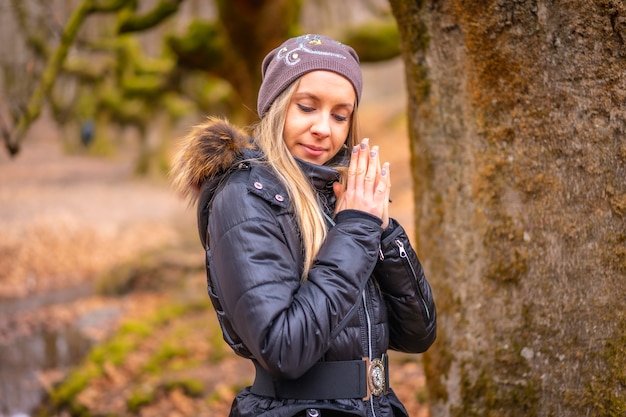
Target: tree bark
(518, 121)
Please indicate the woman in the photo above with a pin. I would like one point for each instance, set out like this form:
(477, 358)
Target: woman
(310, 277)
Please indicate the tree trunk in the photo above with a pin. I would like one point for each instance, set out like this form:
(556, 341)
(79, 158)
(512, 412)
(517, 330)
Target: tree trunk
(518, 122)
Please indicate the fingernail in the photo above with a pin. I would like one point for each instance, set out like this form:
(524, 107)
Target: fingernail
(383, 172)
(373, 151)
(364, 143)
(355, 149)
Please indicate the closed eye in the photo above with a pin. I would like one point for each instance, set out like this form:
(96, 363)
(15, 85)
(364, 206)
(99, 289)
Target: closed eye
(304, 108)
(340, 118)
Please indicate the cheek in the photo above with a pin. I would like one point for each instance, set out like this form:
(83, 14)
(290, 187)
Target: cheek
(295, 126)
(340, 137)
(287, 139)
(288, 131)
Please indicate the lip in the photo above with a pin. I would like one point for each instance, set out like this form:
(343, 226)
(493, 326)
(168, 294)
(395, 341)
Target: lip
(313, 150)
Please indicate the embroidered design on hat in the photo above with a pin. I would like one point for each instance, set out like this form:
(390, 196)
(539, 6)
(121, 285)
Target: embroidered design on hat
(292, 57)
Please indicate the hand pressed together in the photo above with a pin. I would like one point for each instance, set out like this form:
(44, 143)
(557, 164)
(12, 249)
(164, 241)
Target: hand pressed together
(368, 184)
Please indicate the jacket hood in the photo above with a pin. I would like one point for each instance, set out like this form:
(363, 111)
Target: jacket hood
(209, 149)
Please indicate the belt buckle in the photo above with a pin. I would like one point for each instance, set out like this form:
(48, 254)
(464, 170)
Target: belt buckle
(376, 376)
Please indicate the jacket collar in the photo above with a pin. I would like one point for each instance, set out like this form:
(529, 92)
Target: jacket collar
(322, 177)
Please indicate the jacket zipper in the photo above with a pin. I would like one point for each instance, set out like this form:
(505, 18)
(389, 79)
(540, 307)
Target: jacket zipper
(404, 256)
(369, 341)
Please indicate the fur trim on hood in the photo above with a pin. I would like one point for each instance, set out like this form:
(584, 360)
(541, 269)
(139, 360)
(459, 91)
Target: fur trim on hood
(209, 149)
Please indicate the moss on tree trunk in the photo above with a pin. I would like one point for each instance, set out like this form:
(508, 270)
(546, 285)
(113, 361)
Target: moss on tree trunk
(517, 123)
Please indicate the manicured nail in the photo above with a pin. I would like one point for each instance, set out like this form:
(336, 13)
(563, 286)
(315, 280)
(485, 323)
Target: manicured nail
(364, 143)
(373, 151)
(355, 149)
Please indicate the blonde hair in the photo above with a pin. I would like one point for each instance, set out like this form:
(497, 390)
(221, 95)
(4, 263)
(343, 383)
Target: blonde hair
(268, 135)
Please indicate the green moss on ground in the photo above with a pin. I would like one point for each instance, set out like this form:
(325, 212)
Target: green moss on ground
(142, 356)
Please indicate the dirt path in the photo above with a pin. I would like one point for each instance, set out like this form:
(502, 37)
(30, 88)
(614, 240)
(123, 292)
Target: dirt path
(64, 219)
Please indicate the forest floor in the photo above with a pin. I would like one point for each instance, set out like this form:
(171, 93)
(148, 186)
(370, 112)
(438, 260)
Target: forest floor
(70, 222)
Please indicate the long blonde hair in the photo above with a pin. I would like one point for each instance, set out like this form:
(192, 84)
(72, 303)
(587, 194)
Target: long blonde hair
(268, 134)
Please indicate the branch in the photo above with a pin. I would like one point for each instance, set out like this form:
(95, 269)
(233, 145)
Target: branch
(4, 129)
(136, 23)
(34, 40)
(108, 6)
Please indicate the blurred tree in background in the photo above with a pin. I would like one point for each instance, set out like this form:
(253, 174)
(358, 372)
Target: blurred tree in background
(102, 66)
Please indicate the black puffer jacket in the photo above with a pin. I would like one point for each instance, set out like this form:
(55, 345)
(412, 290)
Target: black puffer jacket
(366, 292)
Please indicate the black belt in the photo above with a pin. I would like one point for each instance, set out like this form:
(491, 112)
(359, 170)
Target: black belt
(327, 381)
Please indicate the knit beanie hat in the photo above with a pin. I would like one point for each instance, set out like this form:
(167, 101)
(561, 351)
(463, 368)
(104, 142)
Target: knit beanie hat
(303, 54)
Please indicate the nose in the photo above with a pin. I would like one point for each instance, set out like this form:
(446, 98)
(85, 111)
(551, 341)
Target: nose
(321, 126)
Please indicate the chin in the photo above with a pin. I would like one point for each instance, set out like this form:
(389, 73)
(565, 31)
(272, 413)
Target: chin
(311, 159)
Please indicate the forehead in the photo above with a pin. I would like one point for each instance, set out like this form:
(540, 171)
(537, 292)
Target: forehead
(327, 84)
